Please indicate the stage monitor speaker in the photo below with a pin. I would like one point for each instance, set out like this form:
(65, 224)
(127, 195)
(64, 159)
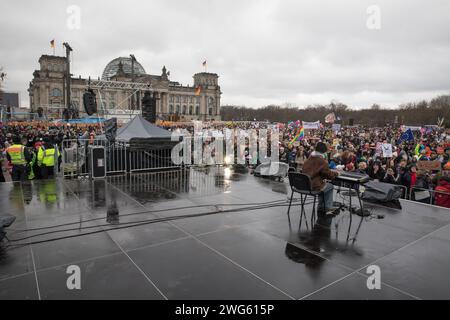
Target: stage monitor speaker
(149, 107)
(89, 102)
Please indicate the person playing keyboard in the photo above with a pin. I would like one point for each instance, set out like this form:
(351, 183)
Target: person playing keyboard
(316, 167)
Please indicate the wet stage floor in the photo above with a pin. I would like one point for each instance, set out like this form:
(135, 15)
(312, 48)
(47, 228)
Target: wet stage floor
(236, 244)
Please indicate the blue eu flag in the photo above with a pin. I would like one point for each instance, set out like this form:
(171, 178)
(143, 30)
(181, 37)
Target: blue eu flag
(406, 136)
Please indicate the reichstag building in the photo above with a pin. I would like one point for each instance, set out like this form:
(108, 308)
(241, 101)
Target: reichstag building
(200, 101)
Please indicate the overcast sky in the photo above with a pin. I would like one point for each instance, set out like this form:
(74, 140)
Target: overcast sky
(265, 51)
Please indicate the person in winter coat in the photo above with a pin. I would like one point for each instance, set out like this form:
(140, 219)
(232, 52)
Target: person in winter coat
(442, 195)
(389, 177)
(376, 171)
(316, 167)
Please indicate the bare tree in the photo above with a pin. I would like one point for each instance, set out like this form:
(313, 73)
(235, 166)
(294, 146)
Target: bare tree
(418, 113)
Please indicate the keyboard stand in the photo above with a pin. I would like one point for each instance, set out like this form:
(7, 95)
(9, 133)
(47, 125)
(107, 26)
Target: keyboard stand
(352, 187)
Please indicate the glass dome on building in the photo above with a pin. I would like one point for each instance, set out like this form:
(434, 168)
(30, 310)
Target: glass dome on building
(113, 66)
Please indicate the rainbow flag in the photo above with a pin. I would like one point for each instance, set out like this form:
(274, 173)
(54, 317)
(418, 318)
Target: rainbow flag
(299, 136)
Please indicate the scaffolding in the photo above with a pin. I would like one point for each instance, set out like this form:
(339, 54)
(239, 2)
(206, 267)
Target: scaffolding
(124, 85)
(101, 85)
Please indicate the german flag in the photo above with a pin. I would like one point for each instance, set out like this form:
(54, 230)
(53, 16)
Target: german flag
(198, 90)
(52, 43)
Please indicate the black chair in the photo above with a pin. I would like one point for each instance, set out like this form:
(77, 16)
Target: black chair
(301, 183)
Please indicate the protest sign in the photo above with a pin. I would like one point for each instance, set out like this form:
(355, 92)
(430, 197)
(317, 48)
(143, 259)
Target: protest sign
(311, 125)
(336, 127)
(429, 165)
(386, 149)
(378, 149)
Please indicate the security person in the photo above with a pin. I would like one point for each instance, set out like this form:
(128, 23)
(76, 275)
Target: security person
(47, 156)
(19, 156)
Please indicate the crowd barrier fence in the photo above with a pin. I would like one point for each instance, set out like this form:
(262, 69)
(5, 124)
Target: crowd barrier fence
(120, 158)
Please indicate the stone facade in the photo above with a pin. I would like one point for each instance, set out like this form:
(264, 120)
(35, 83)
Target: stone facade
(201, 101)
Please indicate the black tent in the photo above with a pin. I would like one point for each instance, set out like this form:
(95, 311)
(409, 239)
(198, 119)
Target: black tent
(140, 128)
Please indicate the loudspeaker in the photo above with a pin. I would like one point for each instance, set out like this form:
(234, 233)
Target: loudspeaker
(351, 121)
(40, 112)
(89, 102)
(149, 107)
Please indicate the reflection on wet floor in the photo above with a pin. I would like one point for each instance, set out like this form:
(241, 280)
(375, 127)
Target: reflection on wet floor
(237, 226)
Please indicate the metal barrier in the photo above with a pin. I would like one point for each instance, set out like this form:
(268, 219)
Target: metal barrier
(116, 157)
(432, 194)
(74, 157)
(120, 158)
(144, 160)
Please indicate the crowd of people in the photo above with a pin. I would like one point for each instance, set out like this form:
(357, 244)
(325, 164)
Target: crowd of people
(359, 149)
(32, 150)
(28, 147)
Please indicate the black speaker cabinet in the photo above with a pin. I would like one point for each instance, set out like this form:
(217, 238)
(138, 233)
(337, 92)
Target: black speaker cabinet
(97, 156)
(149, 107)
(89, 102)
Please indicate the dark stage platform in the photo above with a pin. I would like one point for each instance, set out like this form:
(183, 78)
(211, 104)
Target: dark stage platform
(245, 254)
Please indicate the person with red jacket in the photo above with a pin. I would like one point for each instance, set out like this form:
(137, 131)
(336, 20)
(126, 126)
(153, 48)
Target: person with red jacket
(442, 194)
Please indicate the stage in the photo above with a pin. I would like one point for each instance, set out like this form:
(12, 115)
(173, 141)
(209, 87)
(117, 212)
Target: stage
(240, 252)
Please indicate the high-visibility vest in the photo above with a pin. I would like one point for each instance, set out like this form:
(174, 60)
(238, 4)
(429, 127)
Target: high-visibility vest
(46, 157)
(16, 152)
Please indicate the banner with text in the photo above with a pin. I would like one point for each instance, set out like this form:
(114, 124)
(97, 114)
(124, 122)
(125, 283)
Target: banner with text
(311, 125)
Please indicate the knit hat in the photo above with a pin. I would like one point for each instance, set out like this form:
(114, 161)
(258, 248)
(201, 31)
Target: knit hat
(321, 147)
